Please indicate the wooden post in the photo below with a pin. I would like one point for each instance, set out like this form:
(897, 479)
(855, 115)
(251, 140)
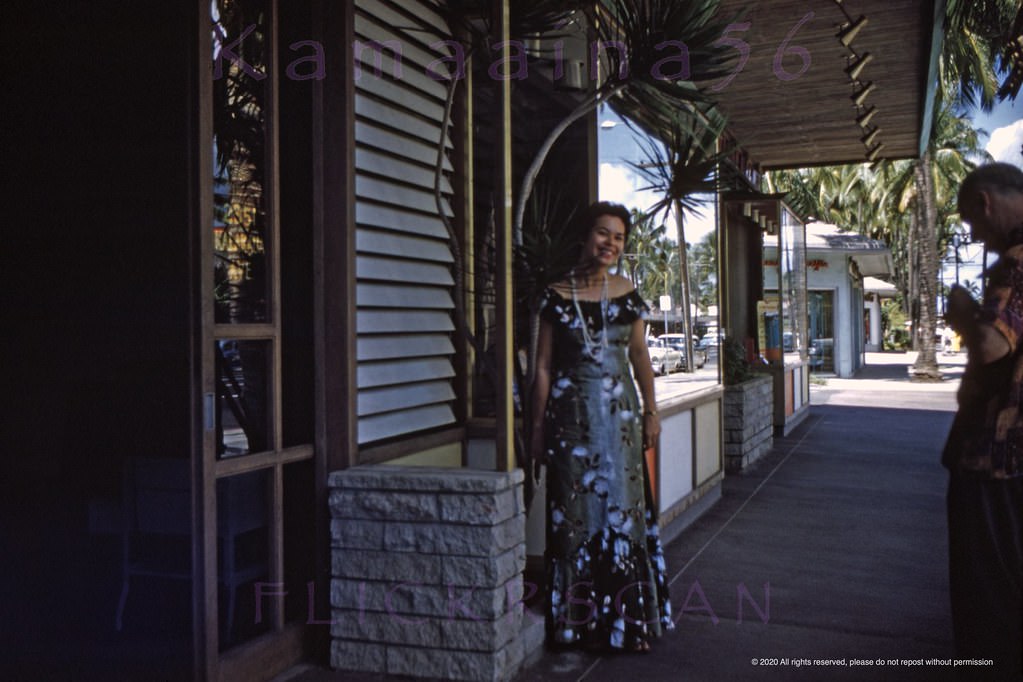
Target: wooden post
(504, 349)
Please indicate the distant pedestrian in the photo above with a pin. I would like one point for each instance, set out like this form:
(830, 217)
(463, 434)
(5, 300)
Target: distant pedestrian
(984, 452)
(946, 340)
(606, 576)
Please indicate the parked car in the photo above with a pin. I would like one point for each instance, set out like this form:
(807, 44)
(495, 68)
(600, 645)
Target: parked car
(710, 342)
(678, 342)
(663, 357)
(820, 350)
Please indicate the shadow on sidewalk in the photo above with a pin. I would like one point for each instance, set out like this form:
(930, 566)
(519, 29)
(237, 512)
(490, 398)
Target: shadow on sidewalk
(832, 547)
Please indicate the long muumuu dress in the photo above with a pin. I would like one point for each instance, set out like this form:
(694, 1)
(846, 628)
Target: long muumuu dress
(605, 565)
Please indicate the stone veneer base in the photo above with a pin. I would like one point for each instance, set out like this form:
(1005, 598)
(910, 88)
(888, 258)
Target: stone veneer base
(427, 568)
(748, 422)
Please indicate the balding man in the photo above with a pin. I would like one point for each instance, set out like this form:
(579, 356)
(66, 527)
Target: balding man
(984, 452)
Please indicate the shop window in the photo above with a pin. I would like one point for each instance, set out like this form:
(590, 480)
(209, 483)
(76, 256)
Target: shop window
(243, 401)
(679, 285)
(240, 228)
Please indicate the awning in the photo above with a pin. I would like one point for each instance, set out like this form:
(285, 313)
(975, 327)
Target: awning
(791, 107)
(872, 257)
(879, 287)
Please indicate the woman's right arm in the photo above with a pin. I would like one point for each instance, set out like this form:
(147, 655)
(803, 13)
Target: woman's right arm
(541, 392)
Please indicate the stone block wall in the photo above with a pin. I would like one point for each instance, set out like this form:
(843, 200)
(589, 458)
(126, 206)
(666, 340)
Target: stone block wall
(749, 422)
(427, 568)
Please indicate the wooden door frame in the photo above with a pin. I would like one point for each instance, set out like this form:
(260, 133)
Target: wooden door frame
(334, 280)
(267, 654)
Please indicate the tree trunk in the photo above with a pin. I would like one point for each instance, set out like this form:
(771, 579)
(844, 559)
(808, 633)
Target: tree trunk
(926, 365)
(913, 299)
(683, 261)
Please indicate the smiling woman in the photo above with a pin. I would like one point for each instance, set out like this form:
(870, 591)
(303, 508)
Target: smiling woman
(590, 429)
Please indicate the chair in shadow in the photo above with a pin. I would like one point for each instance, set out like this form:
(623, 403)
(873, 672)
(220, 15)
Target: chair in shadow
(156, 529)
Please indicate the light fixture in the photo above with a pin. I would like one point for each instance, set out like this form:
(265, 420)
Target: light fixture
(855, 68)
(872, 154)
(864, 119)
(763, 222)
(860, 95)
(869, 138)
(747, 209)
(849, 30)
(756, 216)
(608, 124)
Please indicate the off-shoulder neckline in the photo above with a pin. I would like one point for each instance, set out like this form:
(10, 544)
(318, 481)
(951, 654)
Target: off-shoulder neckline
(590, 300)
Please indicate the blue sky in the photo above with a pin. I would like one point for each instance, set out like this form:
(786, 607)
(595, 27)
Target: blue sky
(1002, 115)
(1004, 128)
(1003, 139)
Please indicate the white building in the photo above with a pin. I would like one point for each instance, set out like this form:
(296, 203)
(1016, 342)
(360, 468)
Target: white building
(843, 296)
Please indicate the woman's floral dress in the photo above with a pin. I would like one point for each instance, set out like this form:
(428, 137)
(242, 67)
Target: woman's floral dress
(605, 566)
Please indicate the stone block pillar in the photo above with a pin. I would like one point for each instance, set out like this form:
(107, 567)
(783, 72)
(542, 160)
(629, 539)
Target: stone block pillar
(427, 573)
(749, 422)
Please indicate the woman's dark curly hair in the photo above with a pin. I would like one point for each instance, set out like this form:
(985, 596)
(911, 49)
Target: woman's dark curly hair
(597, 209)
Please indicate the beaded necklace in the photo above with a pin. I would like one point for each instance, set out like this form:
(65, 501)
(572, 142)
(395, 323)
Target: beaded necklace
(588, 343)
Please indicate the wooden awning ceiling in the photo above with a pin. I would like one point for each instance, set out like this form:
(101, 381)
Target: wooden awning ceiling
(810, 119)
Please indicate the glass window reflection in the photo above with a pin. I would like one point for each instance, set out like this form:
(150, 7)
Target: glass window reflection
(243, 396)
(240, 230)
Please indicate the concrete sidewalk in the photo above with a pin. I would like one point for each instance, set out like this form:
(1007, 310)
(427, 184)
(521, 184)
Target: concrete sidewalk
(832, 547)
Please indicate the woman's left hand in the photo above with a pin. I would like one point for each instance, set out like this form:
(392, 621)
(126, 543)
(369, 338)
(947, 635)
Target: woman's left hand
(651, 430)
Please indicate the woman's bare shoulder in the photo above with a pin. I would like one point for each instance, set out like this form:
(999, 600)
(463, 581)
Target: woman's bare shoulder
(562, 287)
(617, 285)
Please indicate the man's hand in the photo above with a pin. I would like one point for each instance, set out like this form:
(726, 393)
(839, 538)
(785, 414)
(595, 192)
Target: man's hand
(985, 342)
(962, 310)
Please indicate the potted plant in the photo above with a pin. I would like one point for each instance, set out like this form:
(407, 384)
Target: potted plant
(748, 406)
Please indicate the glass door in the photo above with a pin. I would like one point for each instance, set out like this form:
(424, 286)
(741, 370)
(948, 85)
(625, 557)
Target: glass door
(822, 335)
(256, 474)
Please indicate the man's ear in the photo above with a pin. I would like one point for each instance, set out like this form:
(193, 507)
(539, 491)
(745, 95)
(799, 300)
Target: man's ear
(985, 202)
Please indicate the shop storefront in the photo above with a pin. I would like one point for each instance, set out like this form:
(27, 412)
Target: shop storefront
(844, 322)
(250, 259)
(766, 308)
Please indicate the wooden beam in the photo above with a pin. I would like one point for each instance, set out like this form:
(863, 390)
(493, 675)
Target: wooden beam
(504, 341)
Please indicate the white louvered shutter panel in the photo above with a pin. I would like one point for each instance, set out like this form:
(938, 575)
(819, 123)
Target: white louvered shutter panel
(404, 263)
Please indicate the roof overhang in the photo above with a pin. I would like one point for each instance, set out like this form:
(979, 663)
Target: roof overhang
(883, 289)
(878, 264)
(871, 257)
(785, 118)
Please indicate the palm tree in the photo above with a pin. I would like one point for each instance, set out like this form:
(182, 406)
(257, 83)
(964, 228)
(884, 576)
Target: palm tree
(910, 205)
(661, 266)
(703, 255)
(976, 33)
(635, 83)
(643, 237)
(682, 168)
(979, 34)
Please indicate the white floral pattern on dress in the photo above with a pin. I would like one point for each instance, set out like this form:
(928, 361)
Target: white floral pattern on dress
(605, 565)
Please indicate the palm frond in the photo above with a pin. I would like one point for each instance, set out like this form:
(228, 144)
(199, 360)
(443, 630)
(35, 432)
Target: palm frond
(682, 164)
(668, 46)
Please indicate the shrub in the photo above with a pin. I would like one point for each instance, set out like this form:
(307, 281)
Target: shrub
(735, 368)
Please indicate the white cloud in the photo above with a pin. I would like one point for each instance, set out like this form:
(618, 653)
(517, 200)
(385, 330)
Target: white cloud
(618, 184)
(621, 184)
(1006, 144)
